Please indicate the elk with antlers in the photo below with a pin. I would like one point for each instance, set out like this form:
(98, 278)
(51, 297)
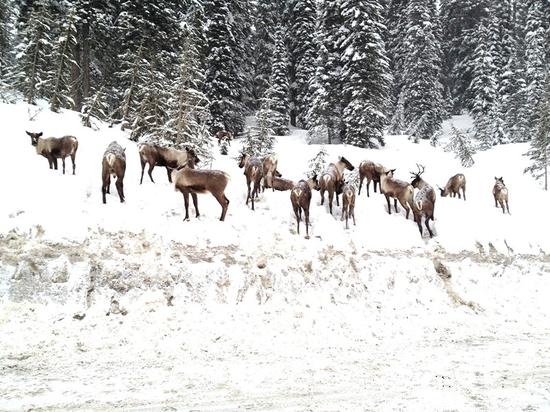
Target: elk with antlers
(424, 200)
(454, 185)
(332, 180)
(253, 170)
(398, 190)
(54, 148)
(300, 197)
(372, 172)
(500, 193)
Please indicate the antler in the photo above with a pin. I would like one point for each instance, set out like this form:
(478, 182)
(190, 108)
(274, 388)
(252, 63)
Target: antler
(419, 172)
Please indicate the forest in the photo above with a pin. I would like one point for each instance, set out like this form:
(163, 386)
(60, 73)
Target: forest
(349, 71)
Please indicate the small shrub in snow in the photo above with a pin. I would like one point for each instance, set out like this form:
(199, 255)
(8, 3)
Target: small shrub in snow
(318, 163)
(461, 144)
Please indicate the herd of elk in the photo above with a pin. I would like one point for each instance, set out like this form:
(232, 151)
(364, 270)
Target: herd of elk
(154, 155)
(53, 148)
(180, 166)
(332, 180)
(114, 163)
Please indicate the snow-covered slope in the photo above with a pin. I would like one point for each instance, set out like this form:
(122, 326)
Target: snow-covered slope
(246, 313)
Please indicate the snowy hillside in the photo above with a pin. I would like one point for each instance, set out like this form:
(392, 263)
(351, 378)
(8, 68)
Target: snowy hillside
(246, 313)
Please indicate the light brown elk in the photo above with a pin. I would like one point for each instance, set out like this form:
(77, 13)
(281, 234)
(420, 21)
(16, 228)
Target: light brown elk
(114, 163)
(372, 172)
(454, 185)
(269, 165)
(398, 190)
(281, 184)
(300, 197)
(223, 135)
(332, 180)
(189, 180)
(424, 201)
(53, 148)
(155, 155)
(500, 193)
(348, 203)
(253, 172)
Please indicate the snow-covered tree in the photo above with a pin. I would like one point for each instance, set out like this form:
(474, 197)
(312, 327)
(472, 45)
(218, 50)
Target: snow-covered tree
(461, 145)
(277, 92)
(318, 163)
(539, 152)
(6, 13)
(260, 137)
(365, 74)
(94, 107)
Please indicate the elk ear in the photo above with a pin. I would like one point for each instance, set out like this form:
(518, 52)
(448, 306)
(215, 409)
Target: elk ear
(40, 134)
(29, 133)
(393, 170)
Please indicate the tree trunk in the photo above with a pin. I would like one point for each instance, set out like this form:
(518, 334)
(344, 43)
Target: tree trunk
(76, 91)
(85, 58)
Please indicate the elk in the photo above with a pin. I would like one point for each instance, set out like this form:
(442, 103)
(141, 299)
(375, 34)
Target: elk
(332, 180)
(53, 148)
(189, 180)
(424, 200)
(500, 193)
(372, 172)
(253, 172)
(281, 184)
(170, 158)
(454, 185)
(348, 203)
(223, 135)
(300, 197)
(269, 165)
(398, 190)
(114, 163)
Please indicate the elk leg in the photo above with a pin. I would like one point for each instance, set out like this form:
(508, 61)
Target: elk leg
(120, 188)
(322, 193)
(169, 173)
(54, 159)
(353, 214)
(428, 227)
(224, 208)
(418, 220)
(73, 161)
(50, 162)
(186, 201)
(388, 200)
(496, 205)
(507, 207)
(330, 199)
(464, 193)
(150, 171)
(297, 213)
(395, 205)
(502, 206)
(248, 192)
(306, 212)
(63, 162)
(368, 187)
(104, 187)
(360, 184)
(195, 203)
(142, 170)
(374, 183)
(337, 203)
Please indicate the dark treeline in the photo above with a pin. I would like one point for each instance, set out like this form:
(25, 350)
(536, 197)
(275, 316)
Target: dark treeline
(347, 70)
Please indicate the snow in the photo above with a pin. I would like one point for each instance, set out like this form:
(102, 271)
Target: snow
(246, 314)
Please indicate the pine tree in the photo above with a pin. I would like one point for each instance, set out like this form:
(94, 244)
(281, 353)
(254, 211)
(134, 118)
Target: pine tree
(396, 23)
(303, 53)
(318, 163)
(33, 52)
(277, 93)
(260, 138)
(539, 152)
(365, 73)
(6, 16)
(462, 146)
(94, 107)
(421, 88)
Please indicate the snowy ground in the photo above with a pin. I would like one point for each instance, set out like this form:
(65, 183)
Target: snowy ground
(127, 306)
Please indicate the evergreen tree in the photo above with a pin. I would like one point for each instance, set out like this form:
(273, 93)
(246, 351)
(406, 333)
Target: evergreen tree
(94, 107)
(260, 138)
(365, 73)
(6, 14)
(396, 22)
(318, 163)
(421, 88)
(277, 93)
(462, 146)
(303, 53)
(539, 152)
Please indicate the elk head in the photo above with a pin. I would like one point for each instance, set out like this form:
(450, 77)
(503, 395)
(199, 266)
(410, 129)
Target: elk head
(499, 180)
(243, 159)
(192, 155)
(349, 166)
(417, 175)
(34, 137)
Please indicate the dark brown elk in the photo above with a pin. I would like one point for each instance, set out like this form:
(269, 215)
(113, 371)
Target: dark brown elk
(281, 184)
(154, 155)
(398, 190)
(114, 163)
(269, 165)
(500, 193)
(348, 203)
(224, 136)
(332, 179)
(372, 172)
(454, 185)
(253, 172)
(300, 197)
(189, 180)
(53, 148)
(424, 201)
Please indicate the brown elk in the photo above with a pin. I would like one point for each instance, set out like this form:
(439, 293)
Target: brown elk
(269, 165)
(54, 148)
(348, 203)
(189, 180)
(372, 172)
(300, 197)
(424, 200)
(253, 172)
(332, 180)
(224, 136)
(281, 184)
(154, 155)
(454, 185)
(114, 163)
(500, 193)
(398, 190)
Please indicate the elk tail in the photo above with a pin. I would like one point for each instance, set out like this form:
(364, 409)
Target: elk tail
(111, 159)
(297, 191)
